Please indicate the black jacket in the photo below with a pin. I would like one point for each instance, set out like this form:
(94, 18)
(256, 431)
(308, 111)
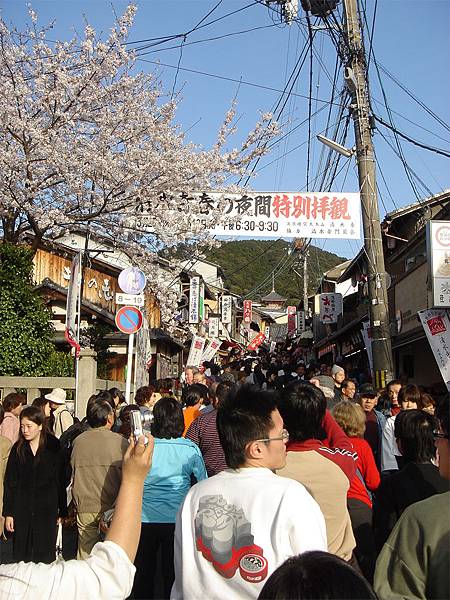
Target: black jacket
(415, 482)
(35, 496)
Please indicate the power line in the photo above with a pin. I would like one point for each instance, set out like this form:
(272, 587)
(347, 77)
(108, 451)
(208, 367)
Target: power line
(410, 139)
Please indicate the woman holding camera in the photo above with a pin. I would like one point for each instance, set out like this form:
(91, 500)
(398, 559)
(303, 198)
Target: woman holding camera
(176, 461)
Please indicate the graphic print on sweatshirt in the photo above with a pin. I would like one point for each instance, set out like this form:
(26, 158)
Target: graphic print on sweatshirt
(223, 535)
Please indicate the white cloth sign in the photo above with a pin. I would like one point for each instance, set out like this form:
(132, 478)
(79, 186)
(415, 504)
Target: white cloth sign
(330, 307)
(436, 324)
(196, 351)
(211, 350)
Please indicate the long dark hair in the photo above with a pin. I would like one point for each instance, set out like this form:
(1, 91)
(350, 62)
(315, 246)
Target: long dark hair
(36, 415)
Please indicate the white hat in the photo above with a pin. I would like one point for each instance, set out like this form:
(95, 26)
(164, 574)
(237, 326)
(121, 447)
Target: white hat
(336, 369)
(58, 396)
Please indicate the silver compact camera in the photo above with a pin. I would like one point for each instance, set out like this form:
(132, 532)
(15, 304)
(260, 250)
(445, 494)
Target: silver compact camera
(137, 422)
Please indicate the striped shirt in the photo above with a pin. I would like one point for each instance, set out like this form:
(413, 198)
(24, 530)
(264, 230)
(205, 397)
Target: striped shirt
(203, 432)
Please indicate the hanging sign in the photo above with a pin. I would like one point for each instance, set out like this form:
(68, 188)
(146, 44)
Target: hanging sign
(291, 311)
(226, 309)
(267, 332)
(211, 350)
(436, 324)
(194, 300)
(438, 250)
(273, 346)
(330, 307)
(196, 351)
(267, 214)
(213, 327)
(247, 311)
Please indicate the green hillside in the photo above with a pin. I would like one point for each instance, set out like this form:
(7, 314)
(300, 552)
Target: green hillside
(247, 263)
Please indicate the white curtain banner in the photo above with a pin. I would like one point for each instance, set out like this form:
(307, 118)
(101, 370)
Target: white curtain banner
(436, 324)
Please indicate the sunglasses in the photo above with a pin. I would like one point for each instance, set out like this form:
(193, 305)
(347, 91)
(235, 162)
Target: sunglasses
(438, 435)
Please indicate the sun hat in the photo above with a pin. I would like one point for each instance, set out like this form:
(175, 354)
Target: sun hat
(58, 396)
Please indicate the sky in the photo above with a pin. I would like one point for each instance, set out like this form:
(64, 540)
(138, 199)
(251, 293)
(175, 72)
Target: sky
(253, 57)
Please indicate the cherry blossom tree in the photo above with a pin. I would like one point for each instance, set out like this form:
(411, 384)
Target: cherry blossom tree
(86, 141)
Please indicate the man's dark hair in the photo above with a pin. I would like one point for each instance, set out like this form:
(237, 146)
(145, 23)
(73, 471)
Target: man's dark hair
(168, 419)
(223, 389)
(303, 406)
(98, 412)
(414, 429)
(393, 382)
(346, 383)
(107, 397)
(244, 416)
(2, 414)
(13, 400)
(194, 393)
(313, 575)
(442, 413)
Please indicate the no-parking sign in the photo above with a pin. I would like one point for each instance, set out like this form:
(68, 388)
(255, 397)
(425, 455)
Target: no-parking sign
(129, 319)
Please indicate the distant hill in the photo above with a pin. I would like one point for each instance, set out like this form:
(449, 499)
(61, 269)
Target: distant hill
(247, 263)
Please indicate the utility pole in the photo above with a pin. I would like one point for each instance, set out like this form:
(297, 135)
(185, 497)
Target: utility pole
(355, 78)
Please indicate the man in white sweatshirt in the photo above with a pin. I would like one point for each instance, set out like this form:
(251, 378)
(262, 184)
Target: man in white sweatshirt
(237, 527)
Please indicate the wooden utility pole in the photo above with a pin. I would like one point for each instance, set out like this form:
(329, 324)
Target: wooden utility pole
(305, 282)
(355, 78)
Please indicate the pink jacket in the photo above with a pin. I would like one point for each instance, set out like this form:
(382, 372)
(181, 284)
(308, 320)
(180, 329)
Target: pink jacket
(10, 427)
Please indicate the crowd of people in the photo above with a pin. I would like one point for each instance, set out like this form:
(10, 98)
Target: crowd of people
(265, 474)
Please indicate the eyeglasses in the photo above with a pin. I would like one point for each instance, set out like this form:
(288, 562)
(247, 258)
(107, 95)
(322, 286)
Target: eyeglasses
(284, 436)
(438, 435)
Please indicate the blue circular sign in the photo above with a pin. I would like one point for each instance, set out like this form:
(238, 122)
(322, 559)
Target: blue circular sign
(129, 319)
(132, 280)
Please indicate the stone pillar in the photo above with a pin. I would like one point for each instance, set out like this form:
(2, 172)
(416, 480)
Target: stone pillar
(87, 380)
(32, 393)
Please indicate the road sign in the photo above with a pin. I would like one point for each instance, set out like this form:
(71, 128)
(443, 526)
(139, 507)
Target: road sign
(132, 280)
(129, 319)
(130, 299)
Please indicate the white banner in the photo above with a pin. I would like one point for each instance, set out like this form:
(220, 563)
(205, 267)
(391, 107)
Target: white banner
(211, 350)
(438, 246)
(330, 307)
(194, 300)
(270, 214)
(226, 309)
(436, 324)
(367, 340)
(213, 327)
(73, 293)
(196, 351)
(273, 346)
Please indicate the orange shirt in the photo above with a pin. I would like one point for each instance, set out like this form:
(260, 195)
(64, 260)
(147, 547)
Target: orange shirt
(190, 413)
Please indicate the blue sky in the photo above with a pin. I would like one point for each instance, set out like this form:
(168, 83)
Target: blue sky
(410, 41)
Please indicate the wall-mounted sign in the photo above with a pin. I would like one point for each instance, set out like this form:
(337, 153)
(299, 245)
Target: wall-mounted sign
(194, 300)
(292, 321)
(438, 249)
(211, 350)
(330, 307)
(301, 326)
(226, 309)
(247, 311)
(213, 327)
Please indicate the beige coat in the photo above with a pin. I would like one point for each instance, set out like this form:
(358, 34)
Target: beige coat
(97, 469)
(63, 420)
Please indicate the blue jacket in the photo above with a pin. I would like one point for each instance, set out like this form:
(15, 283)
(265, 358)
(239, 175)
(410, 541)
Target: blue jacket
(169, 479)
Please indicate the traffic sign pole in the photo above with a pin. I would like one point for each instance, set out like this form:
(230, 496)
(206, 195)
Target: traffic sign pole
(129, 367)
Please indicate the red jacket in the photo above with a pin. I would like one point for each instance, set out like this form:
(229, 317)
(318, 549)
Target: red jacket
(368, 470)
